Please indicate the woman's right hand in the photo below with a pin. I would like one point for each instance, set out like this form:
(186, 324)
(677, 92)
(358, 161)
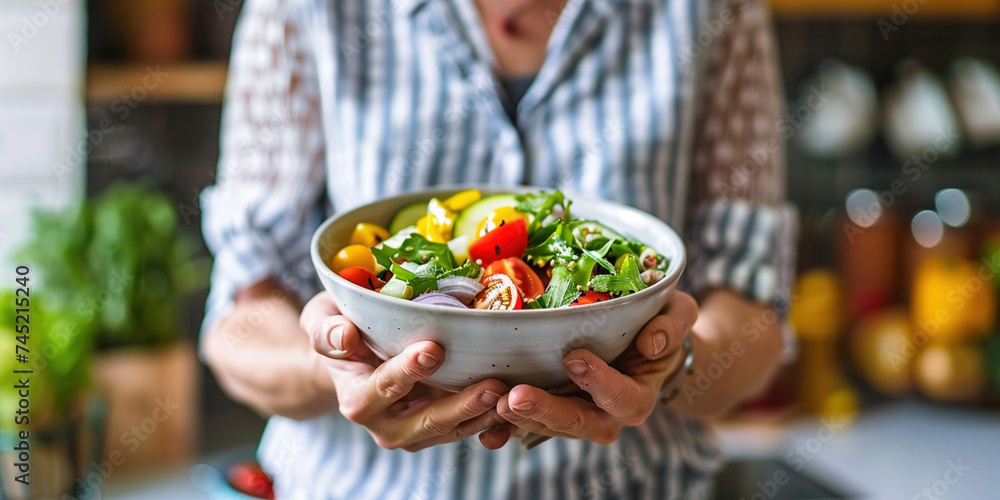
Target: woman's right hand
(387, 397)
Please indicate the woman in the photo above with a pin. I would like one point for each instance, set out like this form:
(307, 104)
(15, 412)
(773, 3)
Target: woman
(668, 105)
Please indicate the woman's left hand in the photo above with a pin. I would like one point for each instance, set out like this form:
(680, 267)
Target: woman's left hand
(613, 399)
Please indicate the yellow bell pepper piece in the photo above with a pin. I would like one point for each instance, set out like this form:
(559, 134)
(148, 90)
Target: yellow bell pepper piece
(461, 200)
(429, 227)
(497, 218)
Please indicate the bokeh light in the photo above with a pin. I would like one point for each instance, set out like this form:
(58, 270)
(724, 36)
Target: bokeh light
(863, 207)
(953, 207)
(927, 228)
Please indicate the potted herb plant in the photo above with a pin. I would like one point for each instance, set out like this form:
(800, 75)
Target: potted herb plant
(62, 425)
(122, 268)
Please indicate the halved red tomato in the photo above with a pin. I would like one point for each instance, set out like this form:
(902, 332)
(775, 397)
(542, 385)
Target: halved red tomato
(590, 298)
(508, 240)
(500, 294)
(527, 281)
(361, 277)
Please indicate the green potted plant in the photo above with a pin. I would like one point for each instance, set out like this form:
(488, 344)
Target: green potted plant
(120, 266)
(63, 425)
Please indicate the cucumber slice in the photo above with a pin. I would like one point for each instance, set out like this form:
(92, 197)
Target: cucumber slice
(468, 219)
(407, 216)
(397, 288)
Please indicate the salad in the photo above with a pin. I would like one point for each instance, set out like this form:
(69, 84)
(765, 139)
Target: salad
(499, 252)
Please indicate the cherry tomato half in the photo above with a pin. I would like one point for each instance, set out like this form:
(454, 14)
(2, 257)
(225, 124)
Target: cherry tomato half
(508, 240)
(248, 478)
(590, 298)
(527, 281)
(500, 294)
(361, 277)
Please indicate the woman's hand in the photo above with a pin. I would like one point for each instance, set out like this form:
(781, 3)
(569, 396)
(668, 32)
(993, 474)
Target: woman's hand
(613, 399)
(387, 398)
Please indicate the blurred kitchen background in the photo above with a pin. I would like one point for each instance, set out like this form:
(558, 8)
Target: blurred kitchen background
(109, 115)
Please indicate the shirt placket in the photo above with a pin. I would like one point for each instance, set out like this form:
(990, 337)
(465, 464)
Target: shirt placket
(462, 44)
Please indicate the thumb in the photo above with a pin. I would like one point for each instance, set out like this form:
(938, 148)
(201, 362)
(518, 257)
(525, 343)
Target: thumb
(332, 335)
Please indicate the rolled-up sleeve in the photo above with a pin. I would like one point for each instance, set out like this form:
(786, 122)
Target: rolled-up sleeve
(741, 231)
(259, 216)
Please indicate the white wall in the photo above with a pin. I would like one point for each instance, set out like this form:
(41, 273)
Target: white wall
(42, 121)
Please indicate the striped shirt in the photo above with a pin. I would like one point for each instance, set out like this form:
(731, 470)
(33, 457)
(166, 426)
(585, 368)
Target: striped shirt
(672, 106)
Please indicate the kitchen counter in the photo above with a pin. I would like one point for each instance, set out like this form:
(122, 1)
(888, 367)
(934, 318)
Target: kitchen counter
(900, 451)
(904, 450)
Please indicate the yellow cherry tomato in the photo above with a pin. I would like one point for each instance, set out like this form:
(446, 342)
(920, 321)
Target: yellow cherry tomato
(430, 227)
(497, 218)
(368, 235)
(461, 200)
(353, 255)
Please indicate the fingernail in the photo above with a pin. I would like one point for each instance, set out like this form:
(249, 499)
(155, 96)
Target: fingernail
(659, 342)
(489, 398)
(525, 406)
(578, 367)
(426, 360)
(336, 332)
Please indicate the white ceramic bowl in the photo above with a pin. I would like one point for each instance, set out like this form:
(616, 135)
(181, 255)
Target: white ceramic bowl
(517, 347)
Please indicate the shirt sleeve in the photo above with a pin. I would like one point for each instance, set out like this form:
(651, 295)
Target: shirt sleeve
(741, 231)
(259, 217)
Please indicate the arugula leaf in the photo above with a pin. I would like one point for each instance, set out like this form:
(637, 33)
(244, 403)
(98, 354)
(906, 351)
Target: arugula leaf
(625, 282)
(598, 256)
(468, 270)
(384, 255)
(418, 249)
(423, 284)
(540, 206)
(585, 267)
(425, 277)
(561, 290)
(559, 246)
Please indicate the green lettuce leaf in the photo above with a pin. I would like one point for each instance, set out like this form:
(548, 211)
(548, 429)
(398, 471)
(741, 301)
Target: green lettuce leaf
(625, 282)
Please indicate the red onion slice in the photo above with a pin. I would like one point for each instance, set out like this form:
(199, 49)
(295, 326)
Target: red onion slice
(462, 288)
(439, 299)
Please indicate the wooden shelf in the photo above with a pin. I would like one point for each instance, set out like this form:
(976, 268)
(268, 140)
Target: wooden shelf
(920, 9)
(194, 82)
